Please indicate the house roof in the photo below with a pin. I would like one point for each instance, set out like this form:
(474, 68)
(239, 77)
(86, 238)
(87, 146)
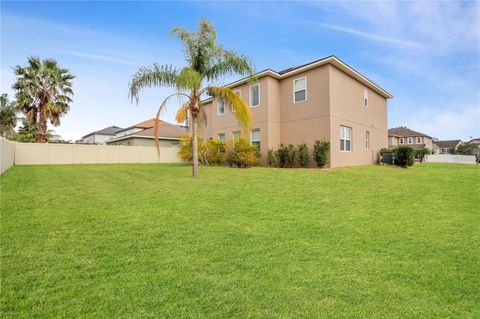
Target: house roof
(167, 131)
(447, 143)
(111, 130)
(405, 132)
(333, 60)
(475, 140)
(144, 125)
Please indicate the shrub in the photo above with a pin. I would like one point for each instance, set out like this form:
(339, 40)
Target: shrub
(320, 152)
(285, 155)
(211, 152)
(404, 156)
(387, 150)
(421, 152)
(303, 157)
(242, 154)
(271, 160)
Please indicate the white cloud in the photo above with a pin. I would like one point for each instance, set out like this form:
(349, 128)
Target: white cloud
(98, 57)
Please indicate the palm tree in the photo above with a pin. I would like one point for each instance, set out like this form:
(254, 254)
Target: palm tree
(207, 63)
(8, 117)
(43, 93)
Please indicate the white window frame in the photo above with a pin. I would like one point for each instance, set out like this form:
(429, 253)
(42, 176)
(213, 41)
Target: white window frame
(218, 137)
(293, 89)
(250, 95)
(218, 108)
(367, 140)
(233, 135)
(400, 140)
(410, 140)
(419, 140)
(251, 137)
(239, 93)
(346, 139)
(365, 97)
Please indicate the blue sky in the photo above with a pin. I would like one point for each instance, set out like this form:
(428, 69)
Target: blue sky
(427, 54)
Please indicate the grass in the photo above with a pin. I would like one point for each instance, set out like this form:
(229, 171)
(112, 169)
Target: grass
(148, 241)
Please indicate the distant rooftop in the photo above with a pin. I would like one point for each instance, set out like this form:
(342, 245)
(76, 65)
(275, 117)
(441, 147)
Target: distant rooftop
(447, 143)
(111, 130)
(405, 132)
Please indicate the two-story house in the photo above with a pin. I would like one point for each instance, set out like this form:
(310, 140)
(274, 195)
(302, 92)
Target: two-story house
(403, 136)
(325, 99)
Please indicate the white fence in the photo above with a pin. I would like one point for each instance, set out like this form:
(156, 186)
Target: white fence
(7, 154)
(450, 158)
(13, 153)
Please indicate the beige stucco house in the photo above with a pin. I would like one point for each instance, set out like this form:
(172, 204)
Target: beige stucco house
(325, 99)
(447, 146)
(403, 136)
(142, 134)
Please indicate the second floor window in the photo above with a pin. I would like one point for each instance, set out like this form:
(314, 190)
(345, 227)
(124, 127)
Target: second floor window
(255, 138)
(239, 93)
(220, 107)
(419, 140)
(221, 137)
(299, 90)
(255, 95)
(410, 140)
(400, 140)
(345, 139)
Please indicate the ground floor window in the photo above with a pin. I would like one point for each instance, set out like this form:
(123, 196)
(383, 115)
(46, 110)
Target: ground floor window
(255, 138)
(367, 139)
(221, 137)
(345, 139)
(236, 136)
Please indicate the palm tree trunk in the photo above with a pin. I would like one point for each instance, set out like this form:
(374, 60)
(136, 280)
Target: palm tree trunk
(43, 131)
(195, 146)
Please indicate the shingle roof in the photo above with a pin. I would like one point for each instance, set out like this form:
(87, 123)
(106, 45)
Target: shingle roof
(404, 132)
(448, 143)
(165, 130)
(111, 130)
(145, 124)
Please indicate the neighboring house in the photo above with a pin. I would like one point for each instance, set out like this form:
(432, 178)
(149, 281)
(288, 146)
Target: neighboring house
(475, 141)
(325, 99)
(136, 128)
(446, 147)
(101, 136)
(169, 136)
(402, 136)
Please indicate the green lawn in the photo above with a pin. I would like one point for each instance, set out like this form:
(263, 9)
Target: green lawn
(148, 241)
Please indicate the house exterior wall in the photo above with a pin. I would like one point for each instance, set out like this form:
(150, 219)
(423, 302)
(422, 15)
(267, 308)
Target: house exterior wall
(394, 141)
(97, 138)
(333, 98)
(136, 141)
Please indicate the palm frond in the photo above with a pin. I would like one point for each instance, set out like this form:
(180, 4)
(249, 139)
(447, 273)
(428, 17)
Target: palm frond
(229, 97)
(230, 63)
(182, 113)
(189, 80)
(155, 75)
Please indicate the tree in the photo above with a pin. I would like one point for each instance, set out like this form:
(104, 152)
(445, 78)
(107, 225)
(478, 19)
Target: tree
(43, 93)
(8, 117)
(467, 149)
(421, 152)
(207, 63)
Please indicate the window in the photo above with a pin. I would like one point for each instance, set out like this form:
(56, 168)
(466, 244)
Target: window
(220, 107)
(255, 138)
(236, 136)
(239, 93)
(365, 97)
(221, 137)
(410, 140)
(419, 140)
(299, 90)
(345, 139)
(400, 140)
(255, 95)
(367, 139)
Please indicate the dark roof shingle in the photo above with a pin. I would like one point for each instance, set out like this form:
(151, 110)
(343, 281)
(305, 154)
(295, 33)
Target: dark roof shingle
(447, 143)
(405, 132)
(111, 130)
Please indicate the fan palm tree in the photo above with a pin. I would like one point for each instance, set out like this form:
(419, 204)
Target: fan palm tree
(8, 117)
(207, 63)
(43, 93)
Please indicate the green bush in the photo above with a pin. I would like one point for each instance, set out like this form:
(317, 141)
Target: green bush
(212, 152)
(303, 157)
(271, 160)
(387, 150)
(320, 152)
(404, 156)
(285, 155)
(421, 152)
(242, 154)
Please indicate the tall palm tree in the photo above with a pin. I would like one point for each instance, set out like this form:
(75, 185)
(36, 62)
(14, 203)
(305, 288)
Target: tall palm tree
(8, 117)
(43, 93)
(207, 63)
